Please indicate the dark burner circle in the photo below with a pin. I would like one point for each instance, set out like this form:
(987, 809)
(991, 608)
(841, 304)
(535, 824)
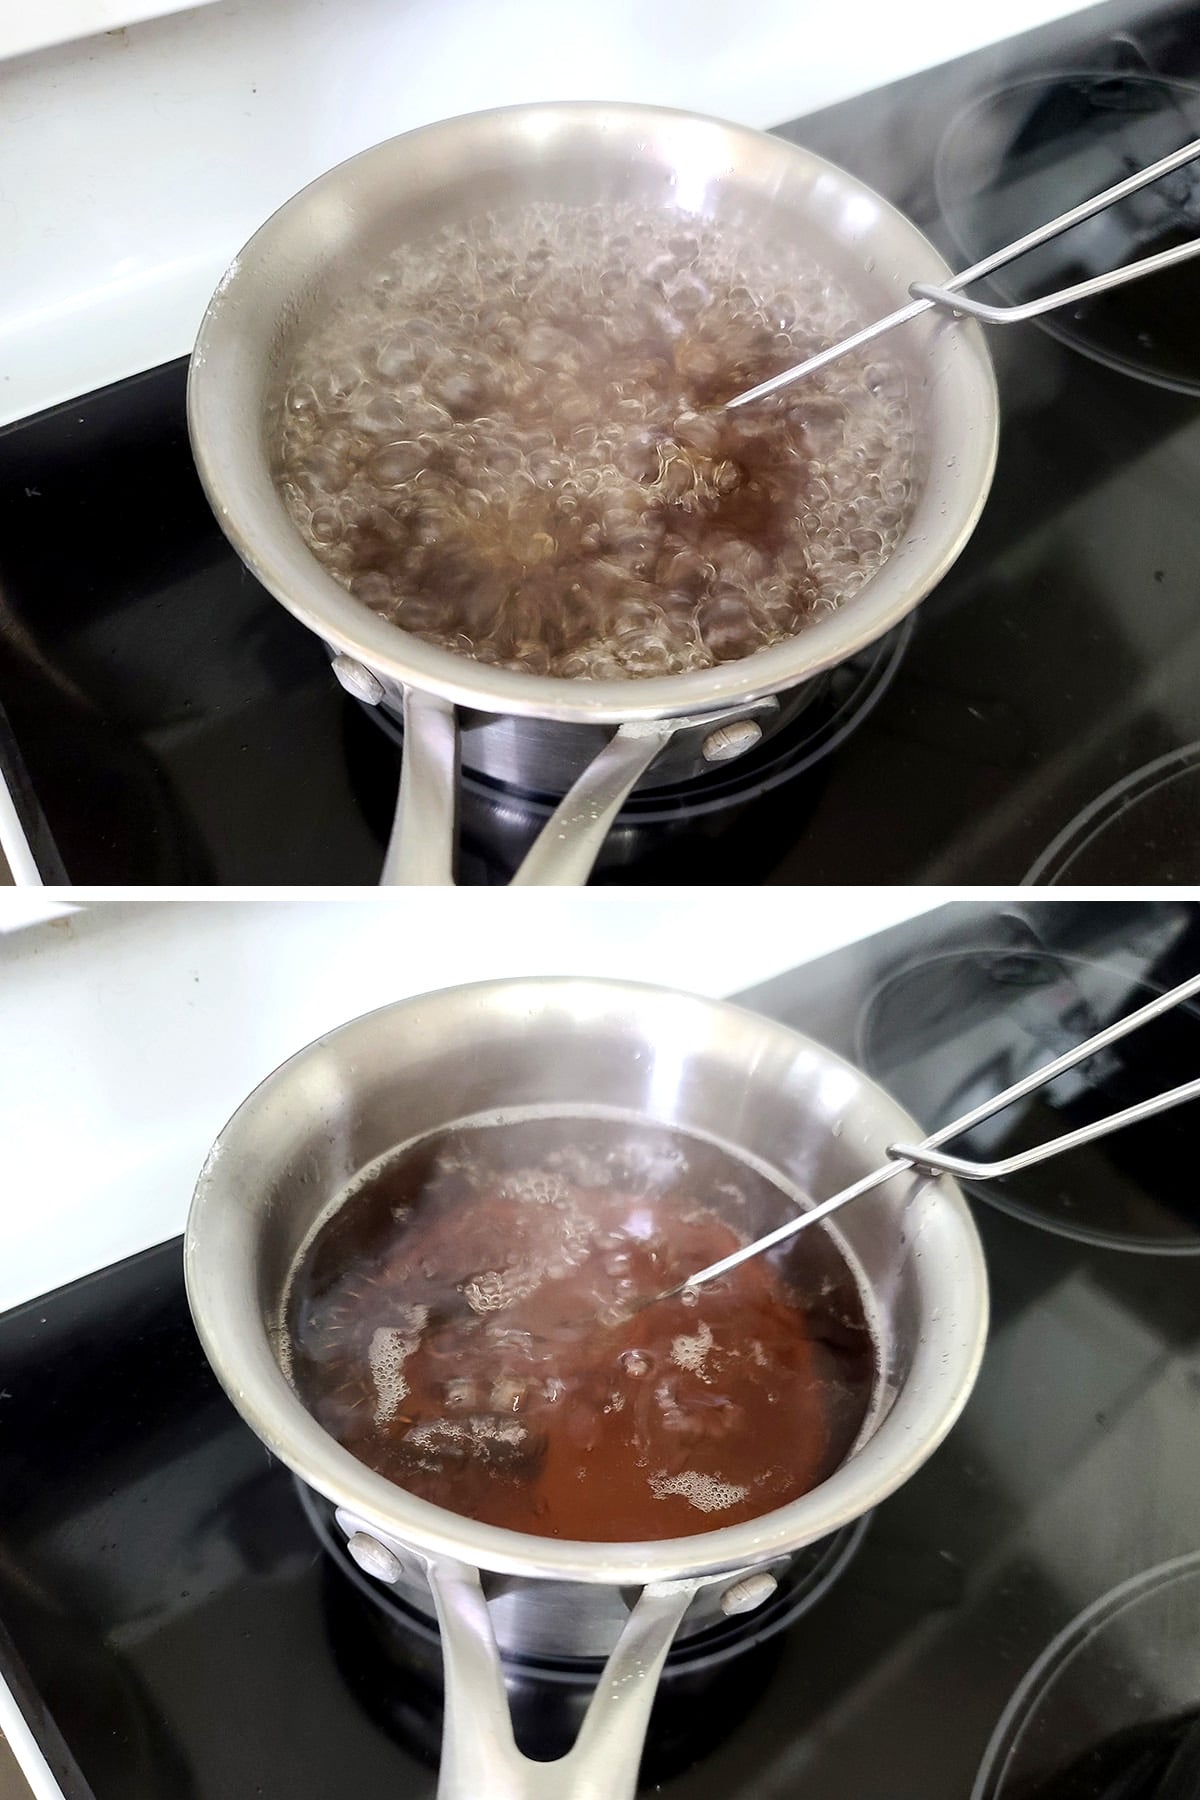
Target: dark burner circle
(1148, 820)
(947, 1032)
(1019, 156)
(847, 694)
(1110, 1710)
(390, 1656)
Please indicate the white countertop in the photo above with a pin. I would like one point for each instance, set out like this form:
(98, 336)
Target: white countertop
(134, 163)
(130, 1032)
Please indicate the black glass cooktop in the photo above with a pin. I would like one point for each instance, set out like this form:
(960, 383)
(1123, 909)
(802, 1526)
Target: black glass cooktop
(167, 721)
(1020, 1622)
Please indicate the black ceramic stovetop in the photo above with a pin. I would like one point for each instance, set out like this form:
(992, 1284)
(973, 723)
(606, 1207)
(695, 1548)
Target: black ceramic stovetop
(162, 720)
(174, 1630)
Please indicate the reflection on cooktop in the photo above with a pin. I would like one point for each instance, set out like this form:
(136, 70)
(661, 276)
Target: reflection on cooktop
(1147, 1762)
(1001, 170)
(1104, 1713)
(948, 1031)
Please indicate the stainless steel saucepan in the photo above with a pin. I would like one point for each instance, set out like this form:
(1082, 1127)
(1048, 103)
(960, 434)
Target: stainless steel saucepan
(755, 1087)
(592, 741)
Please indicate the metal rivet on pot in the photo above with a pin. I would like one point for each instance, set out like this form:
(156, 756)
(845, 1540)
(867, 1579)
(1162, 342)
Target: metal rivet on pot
(358, 680)
(374, 1558)
(728, 741)
(748, 1593)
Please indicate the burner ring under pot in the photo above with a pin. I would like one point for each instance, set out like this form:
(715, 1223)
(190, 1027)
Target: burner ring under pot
(820, 715)
(538, 756)
(575, 1645)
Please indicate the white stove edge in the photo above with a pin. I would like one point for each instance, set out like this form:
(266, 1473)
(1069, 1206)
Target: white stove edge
(17, 862)
(130, 1031)
(25, 1748)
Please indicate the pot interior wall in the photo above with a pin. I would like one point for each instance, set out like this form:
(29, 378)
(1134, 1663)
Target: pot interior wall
(756, 1088)
(401, 1072)
(398, 1074)
(769, 194)
(343, 226)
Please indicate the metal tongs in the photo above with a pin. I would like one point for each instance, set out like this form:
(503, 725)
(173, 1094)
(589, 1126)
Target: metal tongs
(927, 294)
(928, 1158)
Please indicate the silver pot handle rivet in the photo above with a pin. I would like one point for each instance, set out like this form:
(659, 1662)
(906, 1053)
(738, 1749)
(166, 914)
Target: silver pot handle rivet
(745, 1595)
(374, 1558)
(728, 741)
(358, 680)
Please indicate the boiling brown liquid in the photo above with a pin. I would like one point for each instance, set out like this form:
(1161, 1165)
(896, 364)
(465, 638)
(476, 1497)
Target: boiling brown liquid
(463, 1324)
(505, 441)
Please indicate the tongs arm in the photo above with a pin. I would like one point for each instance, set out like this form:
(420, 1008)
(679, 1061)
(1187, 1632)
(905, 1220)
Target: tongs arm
(903, 1159)
(947, 293)
(1083, 290)
(935, 1161)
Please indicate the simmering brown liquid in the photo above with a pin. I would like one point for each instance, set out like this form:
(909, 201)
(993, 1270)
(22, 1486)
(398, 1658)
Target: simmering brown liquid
(500, 442)
(462, 1324)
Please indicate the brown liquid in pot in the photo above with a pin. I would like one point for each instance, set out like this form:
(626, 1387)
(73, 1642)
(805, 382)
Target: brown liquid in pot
(498, 441)
(461, 1324)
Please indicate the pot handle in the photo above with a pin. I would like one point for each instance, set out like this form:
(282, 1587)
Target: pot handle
(565, 850)
(479, 1754)
(420, 852)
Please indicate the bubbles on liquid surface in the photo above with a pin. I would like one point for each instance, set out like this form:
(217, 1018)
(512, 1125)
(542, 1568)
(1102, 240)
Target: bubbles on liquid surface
(692, 1352)
(389, 1349)
(485, 1350)
(504, 441)
(703, 1492)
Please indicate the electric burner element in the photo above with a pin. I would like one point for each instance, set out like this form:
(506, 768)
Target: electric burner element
(390, 1656)
(1150, 819)
(1021, 154)
(683, 832)
(947, 1031)
(1111, 1710)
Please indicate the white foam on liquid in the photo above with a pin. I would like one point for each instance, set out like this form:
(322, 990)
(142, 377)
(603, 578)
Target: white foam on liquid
(691, 1353)
(705, 1492)
(390, 1348)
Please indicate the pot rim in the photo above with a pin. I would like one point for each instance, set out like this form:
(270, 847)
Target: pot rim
(947, 1358)
(230, 462)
